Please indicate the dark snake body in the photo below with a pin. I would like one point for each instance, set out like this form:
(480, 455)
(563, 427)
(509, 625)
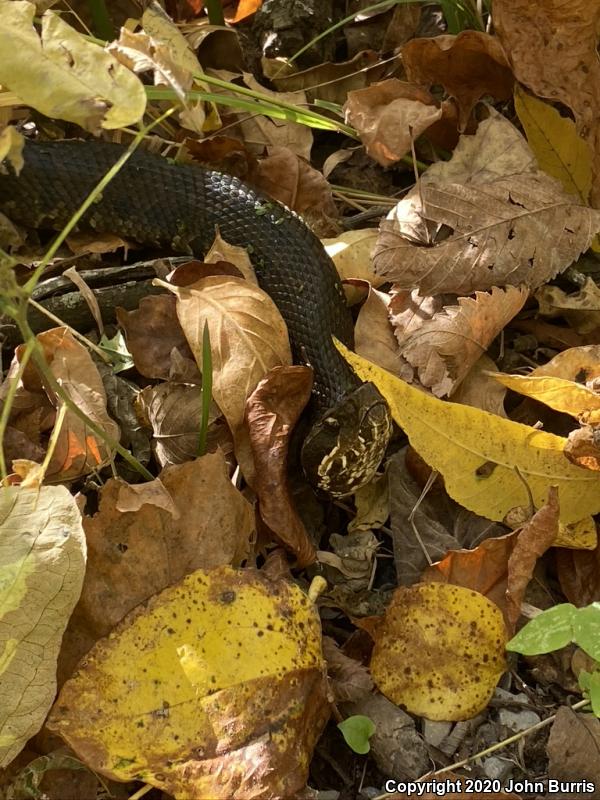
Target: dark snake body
(179, 207)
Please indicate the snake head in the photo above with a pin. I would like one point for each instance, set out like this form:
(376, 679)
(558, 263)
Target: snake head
(347, 444)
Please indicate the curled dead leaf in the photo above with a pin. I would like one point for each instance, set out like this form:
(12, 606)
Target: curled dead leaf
(272, 410)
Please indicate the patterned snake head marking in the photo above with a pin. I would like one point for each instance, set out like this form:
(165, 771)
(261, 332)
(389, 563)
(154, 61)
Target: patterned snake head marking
(346, 445)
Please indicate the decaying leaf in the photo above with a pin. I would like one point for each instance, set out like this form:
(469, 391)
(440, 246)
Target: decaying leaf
(483, 569)
(478, 220)
(581, 309)
(228, 696)
(468, 66)
(553, 138)
(535, 538)
(389, 116)
(258, 130)
(134, 554)
(583, 448)
(551, 46)
(77, 450)
(374, 336)
(42, 563)
(162, 49)
(248, 337)
(292, 181)
(351, 253)
(489, 464)
(444, 348)
(562, 395)
(272, 410)
(439, 651)
(63, 75)
(480, 390)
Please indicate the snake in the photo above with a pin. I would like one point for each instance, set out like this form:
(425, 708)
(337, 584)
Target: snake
(155, 201)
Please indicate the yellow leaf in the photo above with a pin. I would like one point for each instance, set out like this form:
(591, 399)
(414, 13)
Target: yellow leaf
(580, 535)
(215, 688)
(485, 460)
(554, 140)
(439, 651)
(63, 75)
(560, 394)
(42, 563)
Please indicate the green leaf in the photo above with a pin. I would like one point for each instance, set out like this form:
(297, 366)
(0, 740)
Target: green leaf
(116, 349)
(594, 692)
(586, 630)
(550, 630)
(357, 731)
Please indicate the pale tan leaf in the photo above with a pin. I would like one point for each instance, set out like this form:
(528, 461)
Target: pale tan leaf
(444, 348)
(248, 337)
(374, 336)
(351, 253)
(552, 49)
(42, 564)
(480, 390)
(471, 225)
(389, 115)
(581, 309)
(259, 131)
(468, 66)
(63, 75)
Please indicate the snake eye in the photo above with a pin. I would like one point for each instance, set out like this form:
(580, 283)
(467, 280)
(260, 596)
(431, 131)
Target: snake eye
(332, 422)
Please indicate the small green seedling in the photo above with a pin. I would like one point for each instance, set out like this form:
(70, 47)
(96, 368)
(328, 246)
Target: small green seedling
(559, 626)
(357, 731)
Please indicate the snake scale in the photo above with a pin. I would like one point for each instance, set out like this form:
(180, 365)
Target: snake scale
(179, 207)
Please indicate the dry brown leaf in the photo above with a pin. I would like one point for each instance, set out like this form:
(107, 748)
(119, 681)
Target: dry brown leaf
(77, 450)
(292, 181)
(152, 332)
(478, 220)
(480, 390)
(272, 410)
(583, 447)
(389, 116)
(573, 748)
(579, 575)
(484, 569)
(581, 309)
(351, 254)
(444, 348)
(259, 131)
(581, 364)
(349, 679)
(551, 46)
(247, 336)
(331, 81)
(468, 66)
(534, 539)
(163, 50)
(221, 251)
(374, 336)
(174, 410)
(135, 554)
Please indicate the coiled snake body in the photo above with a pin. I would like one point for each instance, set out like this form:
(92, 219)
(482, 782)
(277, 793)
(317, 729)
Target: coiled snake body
(178, 207)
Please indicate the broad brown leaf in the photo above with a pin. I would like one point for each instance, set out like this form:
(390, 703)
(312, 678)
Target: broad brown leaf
(534, 539)
(389, 115)
(551, 46)
(477, 221)
(272, 411)
(444, 348)
(468, 66)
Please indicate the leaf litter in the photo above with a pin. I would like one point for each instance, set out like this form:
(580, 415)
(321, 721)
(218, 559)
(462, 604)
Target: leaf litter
(191, 647)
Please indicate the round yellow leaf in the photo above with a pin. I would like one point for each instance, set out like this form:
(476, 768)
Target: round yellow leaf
(439, 651)
(215, 688)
